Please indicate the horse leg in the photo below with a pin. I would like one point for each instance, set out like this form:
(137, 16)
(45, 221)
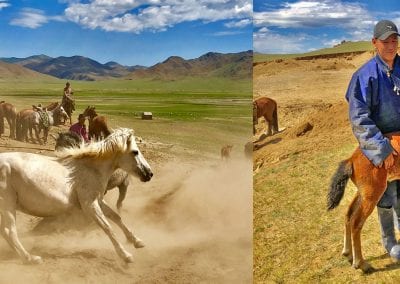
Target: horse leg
(45, 134)
(37, 131)
(347, 247)
(93, 210)
(9, 232)
(122, 193)
(269, 124)
(1, 125)
(8, 228)
(10, 124)
(116, 218)
(366, 205)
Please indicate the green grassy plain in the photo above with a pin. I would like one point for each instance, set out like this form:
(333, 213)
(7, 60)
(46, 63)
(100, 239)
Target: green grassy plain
(343, 48)
(194, 112)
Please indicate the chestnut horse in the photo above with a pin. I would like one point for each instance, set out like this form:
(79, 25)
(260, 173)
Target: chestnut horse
(97, 124)
(267, 108)
(9, 112)
(371, 183)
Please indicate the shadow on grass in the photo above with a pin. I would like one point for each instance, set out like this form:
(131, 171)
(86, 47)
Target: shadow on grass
(387, 267)
(273, 141)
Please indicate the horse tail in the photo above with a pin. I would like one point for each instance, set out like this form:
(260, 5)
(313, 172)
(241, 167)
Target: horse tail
(338, 183)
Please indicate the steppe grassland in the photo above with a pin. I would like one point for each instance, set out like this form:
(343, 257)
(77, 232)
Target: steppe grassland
(204, 113)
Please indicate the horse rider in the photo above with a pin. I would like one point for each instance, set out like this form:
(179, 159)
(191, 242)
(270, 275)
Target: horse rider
(374, 110)
(68, 95)
(80, 128)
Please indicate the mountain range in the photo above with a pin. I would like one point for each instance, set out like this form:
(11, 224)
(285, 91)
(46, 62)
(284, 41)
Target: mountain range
(235, 65)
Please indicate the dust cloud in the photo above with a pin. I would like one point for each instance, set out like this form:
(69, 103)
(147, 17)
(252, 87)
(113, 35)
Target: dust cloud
(195, 219)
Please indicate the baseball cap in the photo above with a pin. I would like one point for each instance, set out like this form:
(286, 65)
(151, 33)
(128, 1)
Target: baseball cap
(385, 28)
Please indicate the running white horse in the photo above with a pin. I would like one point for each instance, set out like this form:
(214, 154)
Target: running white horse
(48, 186)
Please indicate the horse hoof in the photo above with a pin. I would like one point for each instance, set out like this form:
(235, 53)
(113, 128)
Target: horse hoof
(34, 259)
(365, 267)
(138, 243)
(348, 256)
(128, 259)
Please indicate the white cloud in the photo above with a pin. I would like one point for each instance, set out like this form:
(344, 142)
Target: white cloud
(239, 24)
(269, 42)
(226, 33)
(33, 18)
(308, 14)
(352, 19)
(30, 18)
(154, 15)
(4, 4)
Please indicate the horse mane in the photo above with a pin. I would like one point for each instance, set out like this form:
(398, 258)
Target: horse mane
(115, 142)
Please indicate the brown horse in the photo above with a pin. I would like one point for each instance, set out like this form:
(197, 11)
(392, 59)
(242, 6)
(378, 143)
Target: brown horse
(371, 184)
(267, 108)
(226, 152)
(9, 112)
(22, 124)
(97, 124)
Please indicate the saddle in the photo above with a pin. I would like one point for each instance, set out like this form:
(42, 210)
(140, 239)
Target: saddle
(44, 119)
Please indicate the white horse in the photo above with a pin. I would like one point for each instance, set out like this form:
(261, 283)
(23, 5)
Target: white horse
(48, 186)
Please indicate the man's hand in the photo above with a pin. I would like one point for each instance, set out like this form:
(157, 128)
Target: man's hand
(389, 161)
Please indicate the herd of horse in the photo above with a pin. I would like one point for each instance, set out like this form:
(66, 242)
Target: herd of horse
(36, 118)
(22, 124)
(81, 173)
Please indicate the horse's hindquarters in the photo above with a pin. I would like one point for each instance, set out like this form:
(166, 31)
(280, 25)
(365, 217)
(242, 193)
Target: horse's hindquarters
(40, 183)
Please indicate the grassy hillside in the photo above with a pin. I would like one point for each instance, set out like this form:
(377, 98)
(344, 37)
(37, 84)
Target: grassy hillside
(342, 48)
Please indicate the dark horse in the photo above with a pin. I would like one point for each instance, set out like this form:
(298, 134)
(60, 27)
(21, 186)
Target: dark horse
(69, 107)
(118, 179)
(9, 112)
(97, 123)
(267, 108)
(371, 184)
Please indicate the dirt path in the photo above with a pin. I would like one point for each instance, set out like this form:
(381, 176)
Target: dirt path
(194, 218)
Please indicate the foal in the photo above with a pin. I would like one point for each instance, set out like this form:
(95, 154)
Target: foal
(226, 152)
(371, 184)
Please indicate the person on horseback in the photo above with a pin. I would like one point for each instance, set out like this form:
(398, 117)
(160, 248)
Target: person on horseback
(374, 110)
(80, 128)
(68, 101)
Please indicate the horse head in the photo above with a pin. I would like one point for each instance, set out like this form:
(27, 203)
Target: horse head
(90, 112)
(132, 159)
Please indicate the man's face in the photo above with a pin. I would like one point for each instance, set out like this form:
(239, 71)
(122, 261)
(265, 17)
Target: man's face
(387, 48)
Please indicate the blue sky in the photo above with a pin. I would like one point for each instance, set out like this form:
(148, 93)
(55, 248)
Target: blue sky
(302, 26)
(130, 32)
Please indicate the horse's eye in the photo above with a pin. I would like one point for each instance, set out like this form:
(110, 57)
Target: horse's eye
(135, 152)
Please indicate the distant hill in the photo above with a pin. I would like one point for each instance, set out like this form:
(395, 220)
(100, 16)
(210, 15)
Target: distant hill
(212, 64)
(344, 47)
(14, 71)
(231, 65)
(73, 68)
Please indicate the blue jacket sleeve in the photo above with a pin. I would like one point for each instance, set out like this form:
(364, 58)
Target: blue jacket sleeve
(373, 144)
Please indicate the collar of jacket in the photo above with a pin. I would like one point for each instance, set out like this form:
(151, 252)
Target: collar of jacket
(385, 67)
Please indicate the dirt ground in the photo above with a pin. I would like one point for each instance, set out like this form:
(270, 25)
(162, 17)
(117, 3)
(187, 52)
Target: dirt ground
(193, 217)
(295, 239)
(307, 92)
